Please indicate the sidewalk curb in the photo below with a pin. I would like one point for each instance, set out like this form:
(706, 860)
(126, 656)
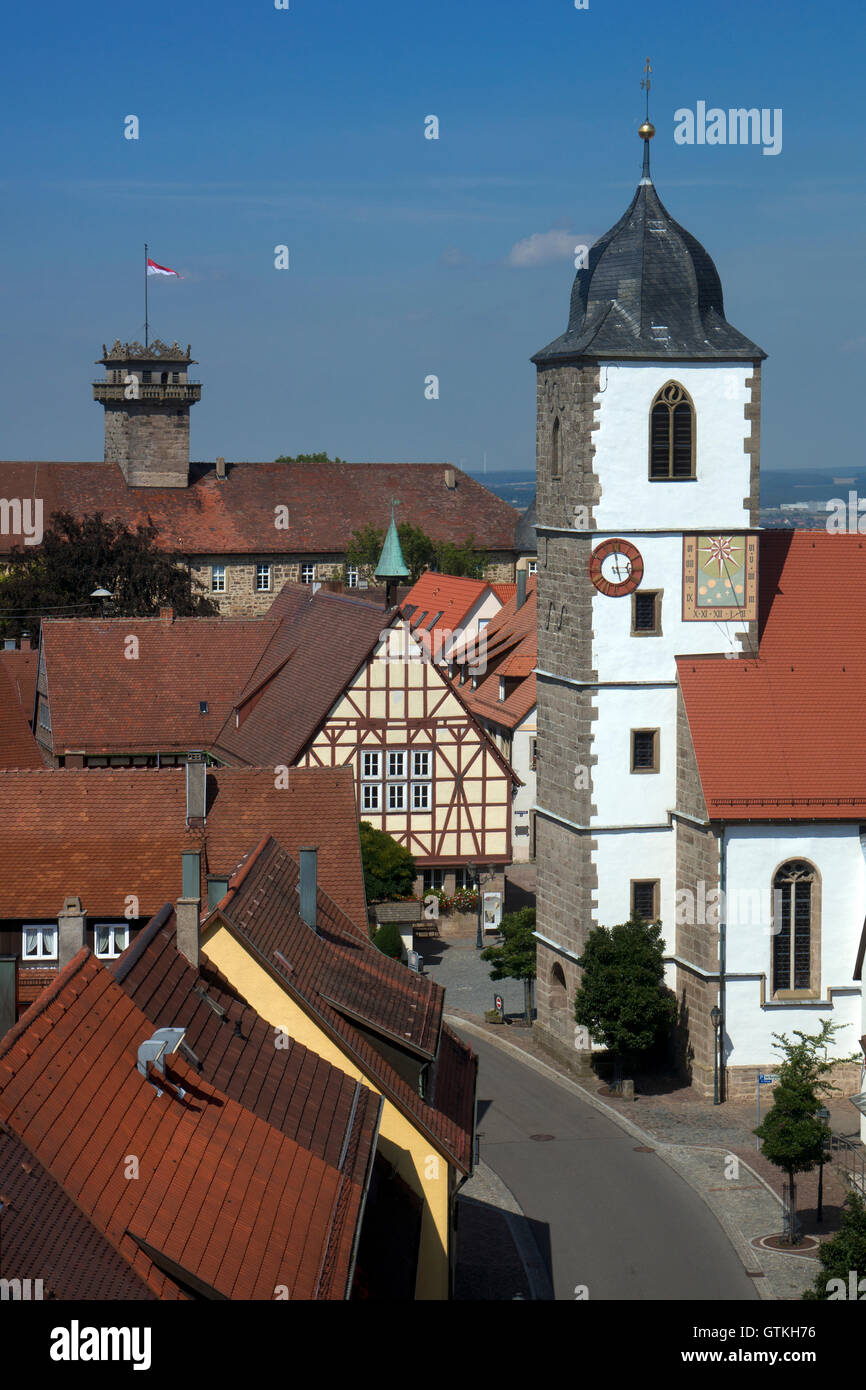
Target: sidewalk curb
(534, 1268)
(745, 1253)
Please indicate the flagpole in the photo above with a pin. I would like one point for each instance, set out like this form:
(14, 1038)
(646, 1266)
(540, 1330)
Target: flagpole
(145, 295)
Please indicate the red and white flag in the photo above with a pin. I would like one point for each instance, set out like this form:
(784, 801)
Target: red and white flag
(154, 269)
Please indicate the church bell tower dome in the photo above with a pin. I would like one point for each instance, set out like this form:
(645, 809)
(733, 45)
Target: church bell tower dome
(649, 291)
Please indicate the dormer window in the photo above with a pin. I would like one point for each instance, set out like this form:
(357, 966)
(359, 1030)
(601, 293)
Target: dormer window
(672, 434)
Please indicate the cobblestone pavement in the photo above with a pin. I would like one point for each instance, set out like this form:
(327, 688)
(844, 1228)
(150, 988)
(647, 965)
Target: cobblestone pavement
(700, 1141)
(456, 964)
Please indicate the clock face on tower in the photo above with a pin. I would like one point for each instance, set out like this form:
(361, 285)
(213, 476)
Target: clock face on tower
(616, 568)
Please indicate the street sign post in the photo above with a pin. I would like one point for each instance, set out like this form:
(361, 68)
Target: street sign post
(762, 1081)
(497, 1001)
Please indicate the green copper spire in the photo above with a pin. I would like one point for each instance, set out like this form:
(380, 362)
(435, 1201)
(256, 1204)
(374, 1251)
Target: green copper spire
(391, 563)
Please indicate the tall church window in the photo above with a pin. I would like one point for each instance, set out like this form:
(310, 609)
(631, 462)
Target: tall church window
(672, 433)
(555, 451)
(795, 915)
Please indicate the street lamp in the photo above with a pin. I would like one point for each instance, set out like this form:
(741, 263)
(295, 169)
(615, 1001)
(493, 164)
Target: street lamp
(716, 1018)
(102, 595)
(823, 1114)
(474, 871)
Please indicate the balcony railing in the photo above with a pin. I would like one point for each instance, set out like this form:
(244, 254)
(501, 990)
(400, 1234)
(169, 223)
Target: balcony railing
(147, 391)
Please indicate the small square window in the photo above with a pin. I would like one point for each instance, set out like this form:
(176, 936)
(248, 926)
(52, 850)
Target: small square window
(39, 942)
(371, 796)
(218, 579)
(111, 940)
(434, 880)
(308, 574)
(420, 796)
(646, 611)
(263, 578)
(645, 898)
(421, 763)
(644, 750)
(397, 764)
(371, 764)
(396, 796)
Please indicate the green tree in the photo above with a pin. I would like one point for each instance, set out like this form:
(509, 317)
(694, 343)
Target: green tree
(389, 869)
(419, 550)
(388, 940)
(515, 958)
(79, 555)
(792, 1135)
(622, 998)
(844, 1254)
(307, 458)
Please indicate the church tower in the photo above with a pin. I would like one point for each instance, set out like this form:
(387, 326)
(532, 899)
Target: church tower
(648, 421)
(147, 397)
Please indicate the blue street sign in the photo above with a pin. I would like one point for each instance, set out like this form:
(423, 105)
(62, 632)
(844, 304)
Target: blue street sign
(765, 1080)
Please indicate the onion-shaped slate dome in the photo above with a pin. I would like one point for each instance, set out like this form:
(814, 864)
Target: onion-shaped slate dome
(649, 290)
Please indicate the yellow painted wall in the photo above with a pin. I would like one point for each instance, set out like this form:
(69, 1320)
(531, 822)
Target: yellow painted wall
(400, 1143)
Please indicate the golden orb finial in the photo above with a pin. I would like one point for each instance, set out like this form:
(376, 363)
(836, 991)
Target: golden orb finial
(647, 130)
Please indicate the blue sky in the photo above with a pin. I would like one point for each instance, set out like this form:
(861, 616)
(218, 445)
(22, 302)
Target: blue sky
(305, 127)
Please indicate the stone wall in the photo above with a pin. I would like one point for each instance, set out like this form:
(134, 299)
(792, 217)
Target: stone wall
(150, 445)
(697, 940)
(564, 848)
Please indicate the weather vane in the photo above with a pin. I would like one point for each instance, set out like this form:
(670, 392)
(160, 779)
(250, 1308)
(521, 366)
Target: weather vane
(645, 85)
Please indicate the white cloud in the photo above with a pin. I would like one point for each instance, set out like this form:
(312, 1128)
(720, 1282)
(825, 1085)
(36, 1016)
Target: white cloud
(541, 248)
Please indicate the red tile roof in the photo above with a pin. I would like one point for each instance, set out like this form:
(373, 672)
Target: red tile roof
(451, 597)
(327, 503)
(21, 665)
(103, 699)
(45, 1236)
(105, 834)
(340, 980)
(291, 1087)
(777, 737)
(18, 747)
(509, 647)
(225, 1204)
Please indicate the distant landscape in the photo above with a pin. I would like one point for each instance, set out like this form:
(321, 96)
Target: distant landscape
(789, 497)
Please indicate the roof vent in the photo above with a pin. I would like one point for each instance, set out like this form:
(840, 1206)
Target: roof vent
(221, 469)
(202, 706)
(154, 1051)
(451, 478)
(196, 786)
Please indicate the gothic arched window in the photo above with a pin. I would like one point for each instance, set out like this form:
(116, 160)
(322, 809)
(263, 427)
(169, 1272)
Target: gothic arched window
(796, 915)
(555, 451)
(672, 433)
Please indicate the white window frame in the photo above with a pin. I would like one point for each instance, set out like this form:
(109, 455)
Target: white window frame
(44, 714)
(421, 796)
(371, 753)
(218, 579)
(426, 754)
(396, 791)
(44, 930)
(371, 796)
(531, 567)
(351, 576)
(308, 574)
(263, 572)
(397, 753)
(114, 950)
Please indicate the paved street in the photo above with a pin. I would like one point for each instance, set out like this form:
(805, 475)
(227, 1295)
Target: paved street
(620, 1222)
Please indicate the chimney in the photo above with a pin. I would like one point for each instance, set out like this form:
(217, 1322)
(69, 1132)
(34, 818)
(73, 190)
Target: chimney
(187, 909)
(167, 615)
(70, 931)
(221, 469)
(521, 589)
(196, 788)
(308, 886)
(450, 478)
